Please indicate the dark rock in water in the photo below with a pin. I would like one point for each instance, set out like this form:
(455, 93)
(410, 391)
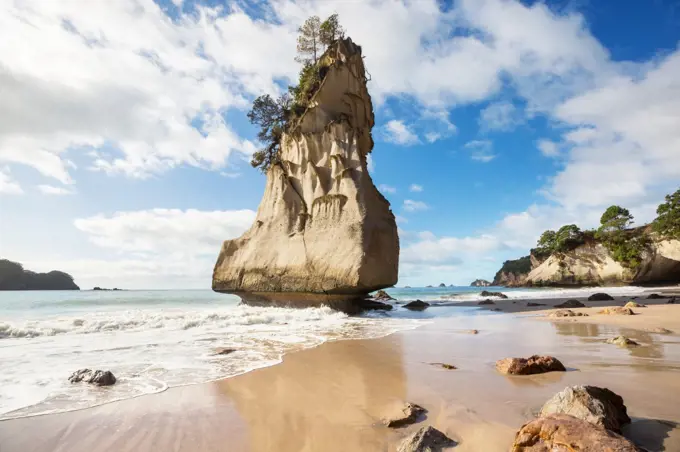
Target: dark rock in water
(600, 297)
(672, 301)
(486, 293)
(224, 351)
(382, 296)
(497, 309)
(407, 287)
(405, 415)
(442, 285)
(368, 305)
(417, 305)
(445, 366)
(528, 366)
(599, 406)
(427, 439)
(571, 304)
(480, 283)
(531, 303)
(564, 433)
(428, 287)
(487, 301)
(621, 341)
(97, 377)
(655, 296)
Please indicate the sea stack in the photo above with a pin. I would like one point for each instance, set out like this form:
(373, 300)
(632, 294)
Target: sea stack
(323, 232)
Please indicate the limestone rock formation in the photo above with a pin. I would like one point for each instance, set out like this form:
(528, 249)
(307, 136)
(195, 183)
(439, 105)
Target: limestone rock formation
(513, 272)
(564, 433)
(599, 406)
(323, 231)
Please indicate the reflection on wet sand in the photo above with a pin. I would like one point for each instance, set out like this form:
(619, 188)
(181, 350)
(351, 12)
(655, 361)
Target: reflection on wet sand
(322, 407)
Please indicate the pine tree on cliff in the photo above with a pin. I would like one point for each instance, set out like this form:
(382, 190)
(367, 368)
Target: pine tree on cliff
(331, 30)
(309, 45)
(667, 223)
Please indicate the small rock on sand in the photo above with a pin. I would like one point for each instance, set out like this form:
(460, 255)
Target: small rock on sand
(417, 305)
(600, 297)
(571, 304)
(659, 330)
(531, 304)
(633, 304)
(487, 301)
(655, 296)
(405, 415)
(621, 341)
(426, 439)
(599, 406)
(528, 366)
(617, 311)
(567, 313)
(556, 431)
(445, 366)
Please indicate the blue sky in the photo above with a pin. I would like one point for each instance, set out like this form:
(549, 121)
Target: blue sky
(124, 144)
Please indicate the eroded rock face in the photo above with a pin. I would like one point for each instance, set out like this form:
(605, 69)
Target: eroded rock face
(528, 366)
(322, 231)
(617, 311)
(564, 433)
(599, 406)
(404, 415)
(427, 439)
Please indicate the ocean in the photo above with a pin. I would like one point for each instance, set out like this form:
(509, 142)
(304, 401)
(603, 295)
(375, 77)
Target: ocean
(153, 340)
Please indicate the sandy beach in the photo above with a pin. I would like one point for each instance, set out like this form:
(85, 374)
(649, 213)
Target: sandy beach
(333, 397)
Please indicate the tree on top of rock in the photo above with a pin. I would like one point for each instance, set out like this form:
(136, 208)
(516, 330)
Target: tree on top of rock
(309, 45)
(615, 218)
(271, 116)
(331, 30)
(668, 221)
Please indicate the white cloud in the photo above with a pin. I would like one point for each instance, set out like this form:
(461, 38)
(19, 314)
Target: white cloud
(501, 116)
(414, 206)
(53, 190)
(430, 249)
(162, 232)
(480, 150)
(387, 188)
(370, 163)
(548, 148)
(395, 131)
(416, 188)
(400, 220)
(7, 185)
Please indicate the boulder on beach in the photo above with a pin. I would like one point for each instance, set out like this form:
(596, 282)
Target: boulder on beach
(417, 305)
(487, 301)
(486, 293)
(599, 406)
(564, 433)
(382, 296)
(406, 414)
(426, 439)
(633, 304)
(621, 341)
(617, 311)
(655, 296)
(566, 313)
(95, 377)
(571, 304)
(529, 366)
(368, 305)
(600, 297)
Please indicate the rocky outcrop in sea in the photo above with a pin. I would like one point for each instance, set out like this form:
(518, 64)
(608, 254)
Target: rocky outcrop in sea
(323, 231)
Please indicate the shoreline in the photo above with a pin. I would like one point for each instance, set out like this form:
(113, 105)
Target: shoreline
(332, 396)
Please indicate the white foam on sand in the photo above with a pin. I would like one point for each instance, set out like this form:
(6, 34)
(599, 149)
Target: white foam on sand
(151, 349)
(543, 293)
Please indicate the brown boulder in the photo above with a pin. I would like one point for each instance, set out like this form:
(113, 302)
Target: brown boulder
(427, 439)
(95, 377)
(407, 414)
(417, 305)
(382, 296)
(567, 313)
(617, 311)
(599, 406)
(633, 304)
(600, 297)
(571, 304)
(528, 366)
(564, 433)
(486, 293)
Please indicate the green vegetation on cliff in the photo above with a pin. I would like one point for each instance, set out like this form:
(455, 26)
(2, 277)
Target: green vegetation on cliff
(516, 267)
(276, 116)
(667, 223)
(14, 277)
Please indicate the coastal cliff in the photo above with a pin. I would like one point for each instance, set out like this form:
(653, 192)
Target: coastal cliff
(13, 276)
(322, 229)
(513, 272)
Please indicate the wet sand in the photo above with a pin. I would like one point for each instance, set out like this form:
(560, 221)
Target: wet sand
(331, 398)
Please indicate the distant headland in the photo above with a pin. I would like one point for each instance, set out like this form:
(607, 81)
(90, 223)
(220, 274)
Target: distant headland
(13, 276)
